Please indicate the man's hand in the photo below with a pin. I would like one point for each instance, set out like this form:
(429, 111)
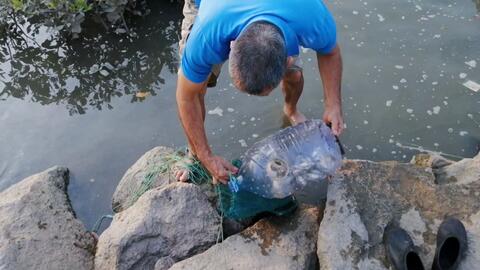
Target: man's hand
(333, 115)
(219, 168)
(330, 68)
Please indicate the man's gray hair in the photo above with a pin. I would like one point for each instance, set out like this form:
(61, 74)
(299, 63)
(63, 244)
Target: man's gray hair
(258, 58)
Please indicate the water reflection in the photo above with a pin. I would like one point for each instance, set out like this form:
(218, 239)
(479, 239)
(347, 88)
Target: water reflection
(477, 4)
(38, 64)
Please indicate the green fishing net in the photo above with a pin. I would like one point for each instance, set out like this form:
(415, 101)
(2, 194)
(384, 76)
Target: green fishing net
(241, 204)
(235, 205)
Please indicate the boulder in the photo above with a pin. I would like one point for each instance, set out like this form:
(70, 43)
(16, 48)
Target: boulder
(150, 171)
(272, 243)
(154, 169)
(462, 172)
(430, 161)
(170, 223)
(367, 195)
(38, 228)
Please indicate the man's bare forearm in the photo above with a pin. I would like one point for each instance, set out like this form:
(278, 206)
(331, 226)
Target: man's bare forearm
(330, 68)
(190, 112)
(190, 105)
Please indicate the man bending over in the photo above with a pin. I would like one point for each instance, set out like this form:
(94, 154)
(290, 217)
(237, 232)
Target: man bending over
(261, 39)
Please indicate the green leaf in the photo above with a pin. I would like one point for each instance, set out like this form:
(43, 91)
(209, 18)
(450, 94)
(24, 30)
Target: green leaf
(17, 4)
(80, 6)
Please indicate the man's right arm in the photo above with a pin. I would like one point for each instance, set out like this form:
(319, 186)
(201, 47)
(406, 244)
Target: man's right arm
(190, 112)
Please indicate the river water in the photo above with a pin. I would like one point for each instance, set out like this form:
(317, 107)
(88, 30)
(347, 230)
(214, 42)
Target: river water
(97, 103)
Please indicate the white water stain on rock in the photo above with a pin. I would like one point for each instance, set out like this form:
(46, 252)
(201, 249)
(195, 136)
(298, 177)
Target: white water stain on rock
(436, 109)
(473, 234)
(338, 228)
(413, 222)
(218, 111)
(388, 103)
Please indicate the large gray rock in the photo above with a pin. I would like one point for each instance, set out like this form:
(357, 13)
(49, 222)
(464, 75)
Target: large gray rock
(368, 195)
(463, 172)
(273, 243)
(38, 229)
(148, 172)
(170, 223)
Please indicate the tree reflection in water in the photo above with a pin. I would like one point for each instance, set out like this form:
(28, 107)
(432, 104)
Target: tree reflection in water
(38, 64)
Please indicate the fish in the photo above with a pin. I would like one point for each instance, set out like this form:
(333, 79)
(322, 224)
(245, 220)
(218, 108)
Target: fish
(289, 161)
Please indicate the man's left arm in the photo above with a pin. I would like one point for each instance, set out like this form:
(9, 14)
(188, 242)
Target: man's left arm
(330, 68)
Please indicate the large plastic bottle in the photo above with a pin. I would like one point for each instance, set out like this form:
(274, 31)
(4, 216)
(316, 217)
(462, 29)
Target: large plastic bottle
(288, 161)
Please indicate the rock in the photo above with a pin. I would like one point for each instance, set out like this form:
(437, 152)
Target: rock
(134, 183)
(430, 161)
(169, 223)
(38, 229)
(272, 243)
(164, 263)
(232, 226)
(151, 170)
(368, 195)
(462, 172)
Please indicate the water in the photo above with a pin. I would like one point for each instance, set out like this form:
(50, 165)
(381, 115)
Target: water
(404, 66)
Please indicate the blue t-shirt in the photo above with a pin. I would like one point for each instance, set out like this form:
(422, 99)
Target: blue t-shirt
(306, 23)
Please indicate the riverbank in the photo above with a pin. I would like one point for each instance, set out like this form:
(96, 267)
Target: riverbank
(176, 225)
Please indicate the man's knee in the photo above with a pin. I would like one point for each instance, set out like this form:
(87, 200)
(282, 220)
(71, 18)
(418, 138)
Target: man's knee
(293, 77)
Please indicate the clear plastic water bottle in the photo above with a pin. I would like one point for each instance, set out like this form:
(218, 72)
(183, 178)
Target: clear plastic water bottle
(290, 160)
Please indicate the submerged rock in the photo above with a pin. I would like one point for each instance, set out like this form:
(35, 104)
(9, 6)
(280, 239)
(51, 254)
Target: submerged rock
(168, 223)
(38, 228)
(272, 243)
(134, 183)
(368, 195)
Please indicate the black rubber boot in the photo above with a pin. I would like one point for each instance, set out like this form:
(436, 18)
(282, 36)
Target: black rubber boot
(401, 251)
(451, 245)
